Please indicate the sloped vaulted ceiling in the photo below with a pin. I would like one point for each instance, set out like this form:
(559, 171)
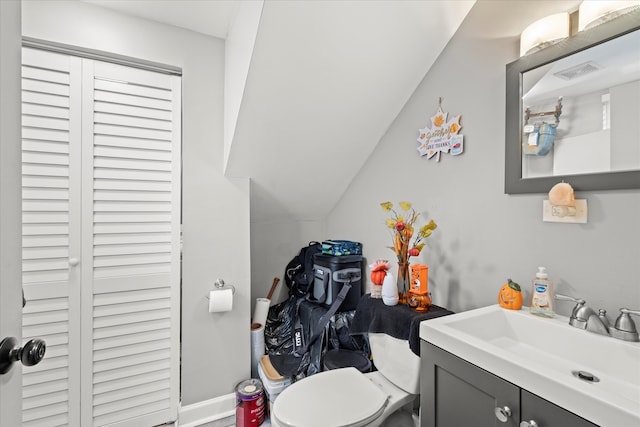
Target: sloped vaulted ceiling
(326, 80)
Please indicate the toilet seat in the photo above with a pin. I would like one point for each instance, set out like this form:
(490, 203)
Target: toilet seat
(339, 398)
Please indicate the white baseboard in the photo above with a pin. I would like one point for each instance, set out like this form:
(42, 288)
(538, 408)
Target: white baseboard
(207, 411)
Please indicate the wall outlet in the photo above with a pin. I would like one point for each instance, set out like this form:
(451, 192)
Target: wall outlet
(571, 215)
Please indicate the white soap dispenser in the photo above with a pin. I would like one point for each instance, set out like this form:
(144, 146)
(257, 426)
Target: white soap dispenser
(541, 294)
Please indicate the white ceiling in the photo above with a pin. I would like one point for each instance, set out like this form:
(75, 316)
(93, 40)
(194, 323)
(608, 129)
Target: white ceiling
(210, 17)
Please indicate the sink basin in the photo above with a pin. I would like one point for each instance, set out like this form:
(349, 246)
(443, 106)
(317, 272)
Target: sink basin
(544, 357)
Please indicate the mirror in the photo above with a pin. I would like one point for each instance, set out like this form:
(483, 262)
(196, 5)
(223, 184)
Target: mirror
(573, 112)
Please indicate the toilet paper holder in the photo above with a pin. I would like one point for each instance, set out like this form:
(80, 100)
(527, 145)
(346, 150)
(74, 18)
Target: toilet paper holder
(220, 285)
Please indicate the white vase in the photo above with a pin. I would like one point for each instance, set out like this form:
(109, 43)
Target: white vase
(389, 290)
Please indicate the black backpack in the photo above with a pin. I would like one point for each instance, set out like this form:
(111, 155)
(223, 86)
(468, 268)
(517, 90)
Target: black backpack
(299, 274)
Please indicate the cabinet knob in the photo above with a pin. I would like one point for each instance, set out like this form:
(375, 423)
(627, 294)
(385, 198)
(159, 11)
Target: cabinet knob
(503, 414)
(73, 262)
(529, 423)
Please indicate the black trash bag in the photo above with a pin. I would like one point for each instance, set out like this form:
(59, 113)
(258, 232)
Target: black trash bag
(340, 334)
(279, 332)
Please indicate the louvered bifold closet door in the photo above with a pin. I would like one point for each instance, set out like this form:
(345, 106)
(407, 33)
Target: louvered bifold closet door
(131, 238)
(51, 114)
(101, 241)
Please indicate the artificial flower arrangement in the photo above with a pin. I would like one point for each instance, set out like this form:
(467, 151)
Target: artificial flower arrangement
(402, 230)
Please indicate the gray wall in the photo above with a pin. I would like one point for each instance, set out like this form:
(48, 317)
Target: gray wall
(485, 236)
(215, 210)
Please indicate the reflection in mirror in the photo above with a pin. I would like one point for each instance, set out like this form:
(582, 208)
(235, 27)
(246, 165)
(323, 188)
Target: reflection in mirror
(599, 130)
(583, 96)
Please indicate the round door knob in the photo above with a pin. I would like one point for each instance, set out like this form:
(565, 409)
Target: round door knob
(73, 262)
(529, 423)
(31, 354)
(503, 414)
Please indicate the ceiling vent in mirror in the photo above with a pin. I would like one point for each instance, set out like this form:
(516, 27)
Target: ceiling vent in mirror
(578, 70)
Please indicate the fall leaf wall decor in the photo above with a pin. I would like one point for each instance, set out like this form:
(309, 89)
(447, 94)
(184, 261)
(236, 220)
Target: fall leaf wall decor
(441, 136)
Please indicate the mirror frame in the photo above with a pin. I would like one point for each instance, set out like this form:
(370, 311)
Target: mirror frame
(514, 183)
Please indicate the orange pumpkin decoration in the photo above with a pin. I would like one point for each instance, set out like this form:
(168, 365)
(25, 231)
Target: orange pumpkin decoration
(377, 277)
(379, 271)
(510, 296)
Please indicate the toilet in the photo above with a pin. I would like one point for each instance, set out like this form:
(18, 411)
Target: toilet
(346, 397)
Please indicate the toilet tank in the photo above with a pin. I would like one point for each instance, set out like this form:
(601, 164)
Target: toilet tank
(395, 360)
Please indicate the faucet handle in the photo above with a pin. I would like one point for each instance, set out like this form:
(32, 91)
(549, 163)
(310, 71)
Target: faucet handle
(579, 304)
(624, 328)
(578, 301)
(624, 322)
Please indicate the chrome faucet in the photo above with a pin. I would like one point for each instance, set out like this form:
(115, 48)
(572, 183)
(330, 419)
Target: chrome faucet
(584, 317)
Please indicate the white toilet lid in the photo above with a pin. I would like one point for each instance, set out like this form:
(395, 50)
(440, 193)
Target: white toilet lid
(338, 398)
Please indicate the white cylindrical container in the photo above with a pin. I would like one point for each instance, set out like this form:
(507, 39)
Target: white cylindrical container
(389, 290)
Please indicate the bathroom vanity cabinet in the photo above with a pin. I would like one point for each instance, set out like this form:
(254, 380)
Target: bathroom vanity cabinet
(455, 392)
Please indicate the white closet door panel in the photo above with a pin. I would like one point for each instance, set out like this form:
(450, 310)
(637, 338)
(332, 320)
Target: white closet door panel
(157, 377)
(129, 121)
(51, 75)
(136, 323)
(118, 239)
(31, 157)
(46, 182)
(45, 110)
(47, 416)
(132, 164)
(45, 134)
(29, 170)
(134, 249)
(48, 87)
(133, 153)
(101, 184)
(40, 216)
(45, 241)
(131, 100)
(50, 375)
(132, 132)
(160, 91)
(132, 110)
(31, 99)
(114, 141)
(51, 147)
(112, 323)
(149, 368)
(132, 238)
(53, 123)
(133, 175)
(134, 412)
(118, 196)
(50, 158)
(132, 339)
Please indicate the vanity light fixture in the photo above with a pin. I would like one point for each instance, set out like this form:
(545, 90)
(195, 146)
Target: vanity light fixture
(562, 206)
(544, 32)
(595, 12)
